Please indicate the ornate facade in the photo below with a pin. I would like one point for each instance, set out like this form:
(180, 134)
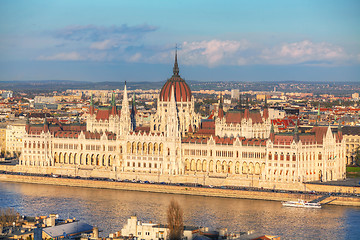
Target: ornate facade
(235, 146)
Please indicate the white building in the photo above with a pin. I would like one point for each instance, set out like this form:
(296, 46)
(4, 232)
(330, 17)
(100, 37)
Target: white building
(150, 231)
(14, 137)
(238, 147)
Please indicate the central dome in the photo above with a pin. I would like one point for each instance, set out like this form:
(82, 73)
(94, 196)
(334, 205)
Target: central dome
(181, 89)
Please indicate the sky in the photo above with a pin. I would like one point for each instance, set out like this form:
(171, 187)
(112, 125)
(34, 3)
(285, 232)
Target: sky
(129, 40)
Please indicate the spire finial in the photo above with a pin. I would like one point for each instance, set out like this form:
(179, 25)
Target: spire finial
(176, 66)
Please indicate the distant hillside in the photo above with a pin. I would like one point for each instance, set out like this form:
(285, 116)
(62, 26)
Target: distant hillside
(60, 85)
(34, 86)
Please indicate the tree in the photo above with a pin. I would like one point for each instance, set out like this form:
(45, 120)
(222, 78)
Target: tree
(7, 216)
(175, 221)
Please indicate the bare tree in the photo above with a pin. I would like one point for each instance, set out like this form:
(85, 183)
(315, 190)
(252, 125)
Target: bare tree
(175, 221)
(7, 216)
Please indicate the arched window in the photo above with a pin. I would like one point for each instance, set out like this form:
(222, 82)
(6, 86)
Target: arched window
(211, 166)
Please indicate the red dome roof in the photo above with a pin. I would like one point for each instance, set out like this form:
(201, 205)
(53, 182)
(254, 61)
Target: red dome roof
(181, 89)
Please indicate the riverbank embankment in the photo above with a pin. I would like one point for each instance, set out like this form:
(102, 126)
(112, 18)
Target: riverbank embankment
(170, 189)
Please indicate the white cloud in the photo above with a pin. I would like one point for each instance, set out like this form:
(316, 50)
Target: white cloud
(305, 52)
(70, 56)
(135, 58)
(214, 52)
(102, 45)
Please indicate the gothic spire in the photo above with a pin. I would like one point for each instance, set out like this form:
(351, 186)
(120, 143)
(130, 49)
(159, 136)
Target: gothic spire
(91, 105)
(296, 132)
(133, 114)
(113, 104)
(113, 99)
(46, 125)
(125, 102)
(125, 114)
(176, 66)
(240, 103)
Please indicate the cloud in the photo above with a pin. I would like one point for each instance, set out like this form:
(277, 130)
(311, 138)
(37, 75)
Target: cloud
(106, 44)
(70, 56)
(92, 33)
(209, 53)
(126, 43)
(305, 52)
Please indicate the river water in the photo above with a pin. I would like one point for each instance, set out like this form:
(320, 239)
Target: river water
(109, 210)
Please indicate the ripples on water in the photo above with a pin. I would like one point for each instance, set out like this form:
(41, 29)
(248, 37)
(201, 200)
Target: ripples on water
(109, 210)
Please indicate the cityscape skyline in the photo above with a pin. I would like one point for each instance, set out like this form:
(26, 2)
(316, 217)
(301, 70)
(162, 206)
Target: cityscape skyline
(135, 41)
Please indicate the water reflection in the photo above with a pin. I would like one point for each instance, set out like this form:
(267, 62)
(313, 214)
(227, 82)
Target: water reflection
(109, 209)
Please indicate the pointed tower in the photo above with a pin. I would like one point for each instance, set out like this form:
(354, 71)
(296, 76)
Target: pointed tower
(125, 121)
(173, 118)
(176, 66)
(133, 114)
(266, 110)
(27, 127)
(247, 111)
(221, 110)
(46, 125)
(113, 104)
(318, 116)
(272, 132)
(92, 109)
(240, 103)
(296, 132)
(340, 135)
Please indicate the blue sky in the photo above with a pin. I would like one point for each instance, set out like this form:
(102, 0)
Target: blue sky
(217, 40)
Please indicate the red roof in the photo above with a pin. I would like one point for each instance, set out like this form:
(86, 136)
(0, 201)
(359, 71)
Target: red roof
(103, 114)
(236, 117)
(181, 89)
(319, 133)
(283, 139)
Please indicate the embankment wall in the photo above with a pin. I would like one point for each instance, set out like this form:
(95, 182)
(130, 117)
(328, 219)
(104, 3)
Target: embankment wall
(169, 189)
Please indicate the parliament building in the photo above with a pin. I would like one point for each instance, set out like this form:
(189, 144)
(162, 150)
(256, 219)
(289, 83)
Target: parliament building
(238, 147)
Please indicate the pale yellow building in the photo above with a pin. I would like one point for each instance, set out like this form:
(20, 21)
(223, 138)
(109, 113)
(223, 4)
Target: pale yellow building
(2, 138)
(14, 137)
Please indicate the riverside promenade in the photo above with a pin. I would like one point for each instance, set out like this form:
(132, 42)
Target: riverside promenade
(185, 190)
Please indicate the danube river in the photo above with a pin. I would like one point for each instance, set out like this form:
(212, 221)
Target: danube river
(109, 210)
